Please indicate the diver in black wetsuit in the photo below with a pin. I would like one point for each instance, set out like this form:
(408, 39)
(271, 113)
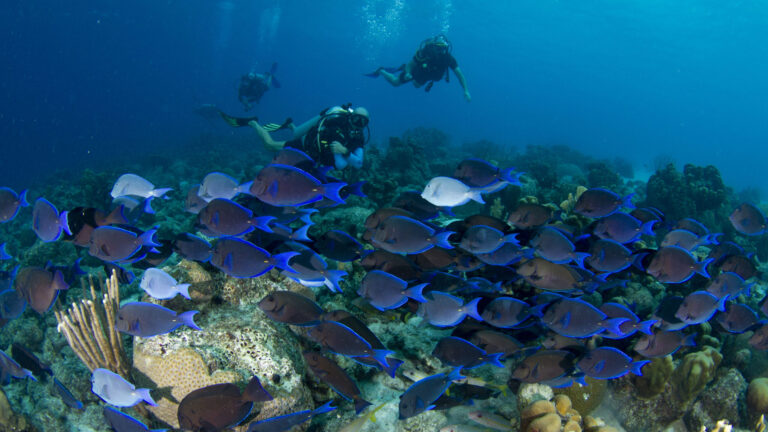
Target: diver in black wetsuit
(430, 64)
(336, 137)
(253, 86)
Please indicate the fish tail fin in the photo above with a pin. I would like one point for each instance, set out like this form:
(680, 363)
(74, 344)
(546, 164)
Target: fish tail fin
(721, 303)
(188, 319)
(510, 176)
(689, 340)
(455, 374)
(23, 198)
(701, 267)
(415, 292)
(160, 192)
(306, 217)
(147, 239)
(333, 279)
(613, 325)
(332, 190)
(58, 281)
(637, 261)
(245, 188)
(64, 222)
(183, 289)
(627, 201)
(713, 238)
(380, 355)
(262, 223)
(117, 216)
(512, 238)
(579, 257)
(495, 359)
(538, 310)
(441, 240)
(647, 228)
(3, 253)
(471, 309)
(392, 365)
(301, 234)
(581, 380)
(281, 261)
(476, 195)
(645, 326)
(636, 367)
(326, 407)
(357, 189)
(148, 205)
(361, 404)
(255, 392)
(143, 393)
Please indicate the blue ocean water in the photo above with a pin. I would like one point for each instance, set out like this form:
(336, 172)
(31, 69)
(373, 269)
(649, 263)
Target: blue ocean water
(86, 82)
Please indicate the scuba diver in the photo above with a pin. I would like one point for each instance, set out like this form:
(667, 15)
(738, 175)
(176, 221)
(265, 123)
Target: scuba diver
(253, 86)
(429, 65)
(335, 137)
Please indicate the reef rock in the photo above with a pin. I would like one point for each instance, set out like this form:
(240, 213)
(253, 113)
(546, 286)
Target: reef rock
(237, 342)
(724, 399)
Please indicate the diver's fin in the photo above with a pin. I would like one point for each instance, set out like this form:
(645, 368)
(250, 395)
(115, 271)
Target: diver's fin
(275, 82)
(271, 127)
(237, 121)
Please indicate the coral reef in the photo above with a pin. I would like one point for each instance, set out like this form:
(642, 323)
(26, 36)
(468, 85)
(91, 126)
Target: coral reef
(757, 398)
(724, 399)
(655, 376)
(697, 192)
(696, 369)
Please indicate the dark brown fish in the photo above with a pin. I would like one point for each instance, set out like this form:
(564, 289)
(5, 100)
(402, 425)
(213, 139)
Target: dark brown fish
(739, 264)
(529, 216)
(291, 308)
(391, 263)
(27, 360)
(83, 220)
(332, 374)
(219, 406)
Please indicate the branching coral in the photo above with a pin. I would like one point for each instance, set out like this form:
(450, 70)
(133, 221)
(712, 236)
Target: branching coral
(89, 326)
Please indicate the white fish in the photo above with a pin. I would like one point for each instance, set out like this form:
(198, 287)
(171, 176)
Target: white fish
(218, 185)
(115, 390)
(449, 192)
(161, 285)
(133, 185)
(491, 420)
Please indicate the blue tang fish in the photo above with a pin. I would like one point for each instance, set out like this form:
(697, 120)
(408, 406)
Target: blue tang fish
(10, 369)
(112, 244)
(286, 422)
(599, 202)
(422, 394)
(10, 203)
(121, 422)
(219, 185)
(147, 319)
(285, 185)
(748, 220)
(241, 259)
(401, 234)
(66, 396)
(445, 310)
(458, 352)
(385, 291)
(47, 222)
(115, 390)
(160, 285)
(609, 363)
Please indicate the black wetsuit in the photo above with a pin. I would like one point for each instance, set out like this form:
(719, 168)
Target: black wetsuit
(335, 128)
(431, 64)
(251, 89)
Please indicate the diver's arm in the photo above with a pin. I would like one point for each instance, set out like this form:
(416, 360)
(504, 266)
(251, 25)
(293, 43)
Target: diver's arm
(302, 130)
(265, 137)
(463, 82)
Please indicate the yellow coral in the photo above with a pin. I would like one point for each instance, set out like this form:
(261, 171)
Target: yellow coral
(585, 398)
(546, 423)
(563, 404)
(757, 397)
(183, 371)
(497, 208)
(695, 371)
(655, 377)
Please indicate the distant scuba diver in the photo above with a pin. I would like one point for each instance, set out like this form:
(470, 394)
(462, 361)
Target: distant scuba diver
(336, 137)
(429, 65)
(253, 86)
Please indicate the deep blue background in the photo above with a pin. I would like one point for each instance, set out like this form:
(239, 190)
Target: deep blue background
(81, 84)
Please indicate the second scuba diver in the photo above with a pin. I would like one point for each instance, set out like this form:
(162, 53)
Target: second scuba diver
(429, 65)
